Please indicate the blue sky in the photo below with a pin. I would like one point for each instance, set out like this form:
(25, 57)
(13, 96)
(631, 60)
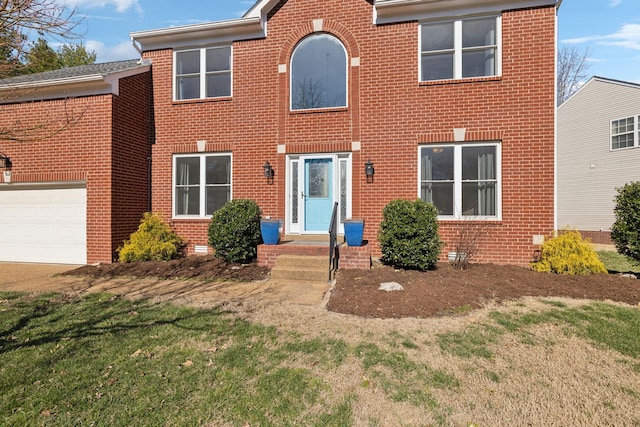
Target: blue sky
(609, 29)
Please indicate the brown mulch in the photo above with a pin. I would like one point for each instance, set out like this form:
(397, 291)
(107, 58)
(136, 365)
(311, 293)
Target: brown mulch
(447, 290)
(442, 291)
(207, 268)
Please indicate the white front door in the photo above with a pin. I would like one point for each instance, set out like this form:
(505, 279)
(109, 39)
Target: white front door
(314, 184)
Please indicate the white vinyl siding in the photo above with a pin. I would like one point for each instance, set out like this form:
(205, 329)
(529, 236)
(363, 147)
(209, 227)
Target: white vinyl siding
(589, 171)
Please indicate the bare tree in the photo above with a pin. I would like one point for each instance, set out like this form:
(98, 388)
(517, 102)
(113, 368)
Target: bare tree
(18, 19)
(45, 17)
(572, 70)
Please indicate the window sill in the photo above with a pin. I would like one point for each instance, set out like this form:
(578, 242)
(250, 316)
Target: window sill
(320, 110)
(191, 219)
(485, 219)
(202, 100)
(461, 81)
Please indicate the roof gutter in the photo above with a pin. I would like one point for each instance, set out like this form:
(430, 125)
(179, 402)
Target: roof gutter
(390, 11)
(200, 34)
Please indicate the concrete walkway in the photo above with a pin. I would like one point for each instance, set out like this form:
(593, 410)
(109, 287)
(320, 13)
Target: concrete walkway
(43, 278)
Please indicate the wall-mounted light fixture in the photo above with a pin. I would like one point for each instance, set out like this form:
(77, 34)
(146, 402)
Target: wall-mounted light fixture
(5, 164)
(369, 171)
(268, 172)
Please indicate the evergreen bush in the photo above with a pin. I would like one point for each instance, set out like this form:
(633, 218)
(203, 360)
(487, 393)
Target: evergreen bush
(625, 231)
(234, 231)
(409, 236)
(153, 241)
(568, 253)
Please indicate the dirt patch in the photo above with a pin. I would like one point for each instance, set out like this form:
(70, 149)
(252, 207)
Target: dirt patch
(442, 291)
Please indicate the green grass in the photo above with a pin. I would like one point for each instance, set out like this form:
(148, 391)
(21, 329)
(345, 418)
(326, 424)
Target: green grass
(615, 262)
(102, 360)
(107, 361)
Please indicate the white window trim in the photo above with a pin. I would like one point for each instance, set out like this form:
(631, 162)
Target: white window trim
(203, 171)
(347, 66)
(457, 177)
(203, 72)
(457, 40)
(635, 133)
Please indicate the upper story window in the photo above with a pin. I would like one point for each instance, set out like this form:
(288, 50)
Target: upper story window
(202, 73)
(625, 133)
(319, 73)
(461, 180)
(202, 184)
(460, 49)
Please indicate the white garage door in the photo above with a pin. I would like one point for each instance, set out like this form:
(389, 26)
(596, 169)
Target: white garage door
(47, 225)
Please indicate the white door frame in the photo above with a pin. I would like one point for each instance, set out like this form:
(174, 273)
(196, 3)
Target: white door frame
(342, 166)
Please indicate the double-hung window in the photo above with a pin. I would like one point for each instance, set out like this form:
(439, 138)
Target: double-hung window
(458, 49)
(461, 180)
(202, 184)
(625, 133)
(202, 73)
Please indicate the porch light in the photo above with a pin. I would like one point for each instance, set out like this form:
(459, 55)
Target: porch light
(369, 171)
(5, 163)
(268, 172)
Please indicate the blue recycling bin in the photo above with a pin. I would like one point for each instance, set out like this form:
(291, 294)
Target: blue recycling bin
(270, 229)
(353, 231)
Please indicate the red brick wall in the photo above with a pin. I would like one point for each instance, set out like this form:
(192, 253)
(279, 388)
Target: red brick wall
(82, 149)
(389, 113)
(132, 138)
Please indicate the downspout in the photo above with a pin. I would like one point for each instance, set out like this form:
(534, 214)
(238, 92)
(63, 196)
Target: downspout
(137, 48)
(555, 122)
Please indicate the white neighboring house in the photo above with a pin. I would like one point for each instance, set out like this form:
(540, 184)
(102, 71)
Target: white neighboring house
(598, 152)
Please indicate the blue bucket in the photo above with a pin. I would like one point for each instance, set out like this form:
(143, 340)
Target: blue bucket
(353, 231)
(270, 231)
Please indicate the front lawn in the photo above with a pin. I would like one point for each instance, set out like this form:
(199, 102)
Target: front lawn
(104, 360)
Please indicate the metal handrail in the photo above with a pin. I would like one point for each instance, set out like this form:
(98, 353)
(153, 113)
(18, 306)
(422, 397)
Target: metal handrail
(333, 241)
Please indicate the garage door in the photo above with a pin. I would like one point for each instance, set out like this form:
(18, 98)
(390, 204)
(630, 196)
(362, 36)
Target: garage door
(47, 225)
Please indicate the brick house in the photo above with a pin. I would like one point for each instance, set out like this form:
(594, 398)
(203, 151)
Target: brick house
(452, 101)
(78, 140)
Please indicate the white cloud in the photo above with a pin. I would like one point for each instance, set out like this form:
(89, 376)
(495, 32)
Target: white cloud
(614, 3)
(121, 51)
(120, 5)
(628, 36)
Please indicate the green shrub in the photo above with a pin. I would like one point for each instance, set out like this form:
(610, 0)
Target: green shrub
(409, 236)
(568, 253)
(234, 231)
(625, 231)
(153, 241)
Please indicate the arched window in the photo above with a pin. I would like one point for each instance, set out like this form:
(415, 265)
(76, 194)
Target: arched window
(319, 73)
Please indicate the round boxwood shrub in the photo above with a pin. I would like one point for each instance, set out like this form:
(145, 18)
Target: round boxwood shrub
(153, 241)
(568, 253)
(234, 231)
(625, 231)
(409, 236)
